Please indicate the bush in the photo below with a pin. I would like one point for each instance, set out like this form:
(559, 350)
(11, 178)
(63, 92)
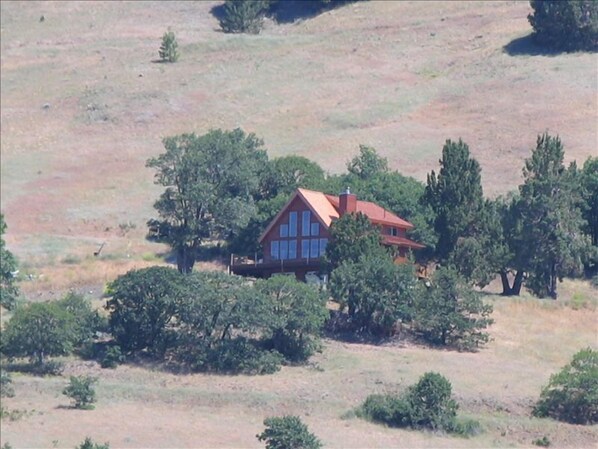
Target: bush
(169, 49)
(240, 356)
(112, 358)
(48, 368)
(244, 16)
(6, 388)
(89, 444)
(450, 313)
(427, 404)
(542, 442)
(80, 390)
(565, 24)
(288, 432)
(572, 394)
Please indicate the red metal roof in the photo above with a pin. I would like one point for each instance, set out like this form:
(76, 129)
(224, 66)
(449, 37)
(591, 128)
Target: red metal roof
(375, 213)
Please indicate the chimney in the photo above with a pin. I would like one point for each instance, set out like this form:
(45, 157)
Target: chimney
(347, 202)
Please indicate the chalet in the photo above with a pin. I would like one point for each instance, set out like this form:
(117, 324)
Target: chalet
(297, 237)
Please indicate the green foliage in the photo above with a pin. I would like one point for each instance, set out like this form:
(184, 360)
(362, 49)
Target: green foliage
(169, 48)
(283, 175)
(38, 330)
(244, 16)
(589, 207)
(351, 237)
(89, 444)
(565, 24)
(425, 405)
(572, 394)
(551, 218)
(288, 432)
(542, 442)
(455, 195)
(239, 356)
(368, 164)
(112, 358)
(87, 321)
(81, 390)
(142, 307)
(211, 184)
(450, 313)
(376, 291)
(6, 388)
(9, 291)
(299, 313)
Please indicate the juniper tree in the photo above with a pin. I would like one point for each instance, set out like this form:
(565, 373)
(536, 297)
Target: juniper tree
(169, 48)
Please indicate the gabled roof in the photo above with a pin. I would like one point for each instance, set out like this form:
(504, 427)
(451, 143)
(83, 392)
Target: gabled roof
(375, 213)
(326, 209)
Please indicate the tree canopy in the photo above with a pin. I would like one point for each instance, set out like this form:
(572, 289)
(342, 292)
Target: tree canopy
(211, 184)
(8, 265)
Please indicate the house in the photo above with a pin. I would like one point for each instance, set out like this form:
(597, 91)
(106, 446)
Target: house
(297, 237)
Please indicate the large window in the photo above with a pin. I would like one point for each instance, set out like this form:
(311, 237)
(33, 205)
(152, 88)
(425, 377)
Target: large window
(305, 249)
(305, 221)
(284, 249)
(284, 230)
(323, 243)
(274, 249)
(292, 249)
(292, 224)
(313, 248)
(315, 229)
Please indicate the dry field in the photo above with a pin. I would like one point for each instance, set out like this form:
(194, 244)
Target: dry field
(84, 105)
(143, 407)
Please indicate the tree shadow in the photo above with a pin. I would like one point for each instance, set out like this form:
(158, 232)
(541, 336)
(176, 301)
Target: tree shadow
(525, 46)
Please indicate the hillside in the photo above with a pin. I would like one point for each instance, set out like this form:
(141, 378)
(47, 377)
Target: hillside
(84, 103)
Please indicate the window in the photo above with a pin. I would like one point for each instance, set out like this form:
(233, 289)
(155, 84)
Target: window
(284, 230)
(313, 247)
(315, 229)
(274, 247)
(305, 248)
(305, 220)
(393, 231)
(292, 249)
(284, 249)
(323, 243)
(292, 224)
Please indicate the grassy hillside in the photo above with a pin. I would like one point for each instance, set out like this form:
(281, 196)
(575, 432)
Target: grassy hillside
(84, 103)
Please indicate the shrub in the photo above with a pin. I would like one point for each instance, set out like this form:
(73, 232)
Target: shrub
(244, 16)
(565, 24)
(112, 358)
(48, 368)
(542, 442)
(80, 389)
(240, 356)
(6, 388)
(169, 48)
(427, 404)
(288, 432)
(451, 313)
(572, 394)
(89, 444)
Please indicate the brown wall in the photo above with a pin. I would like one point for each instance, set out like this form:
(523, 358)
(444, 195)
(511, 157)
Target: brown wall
(296, 206)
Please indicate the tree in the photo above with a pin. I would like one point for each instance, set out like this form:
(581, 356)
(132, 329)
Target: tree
(572, 394)
(565, 24)
(456, 197)
(551, 218)
(89, 444)
(589, 194)
(142, 306)
(169, 48)
(299, 315)
(8, 265)
(39, 330)
(285, 174)
(368, 164)
(376, 291)
(80, 389)
(87, 321)
(211, 183)
(450, 313)
(288, 432)
(351, 236)
(244, 16)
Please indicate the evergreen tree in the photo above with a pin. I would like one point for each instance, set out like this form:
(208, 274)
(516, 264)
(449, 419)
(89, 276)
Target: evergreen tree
(456, 197)
(169, 49)
(589, 193)
(244, 16)
(551, 218)
(8, 265)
